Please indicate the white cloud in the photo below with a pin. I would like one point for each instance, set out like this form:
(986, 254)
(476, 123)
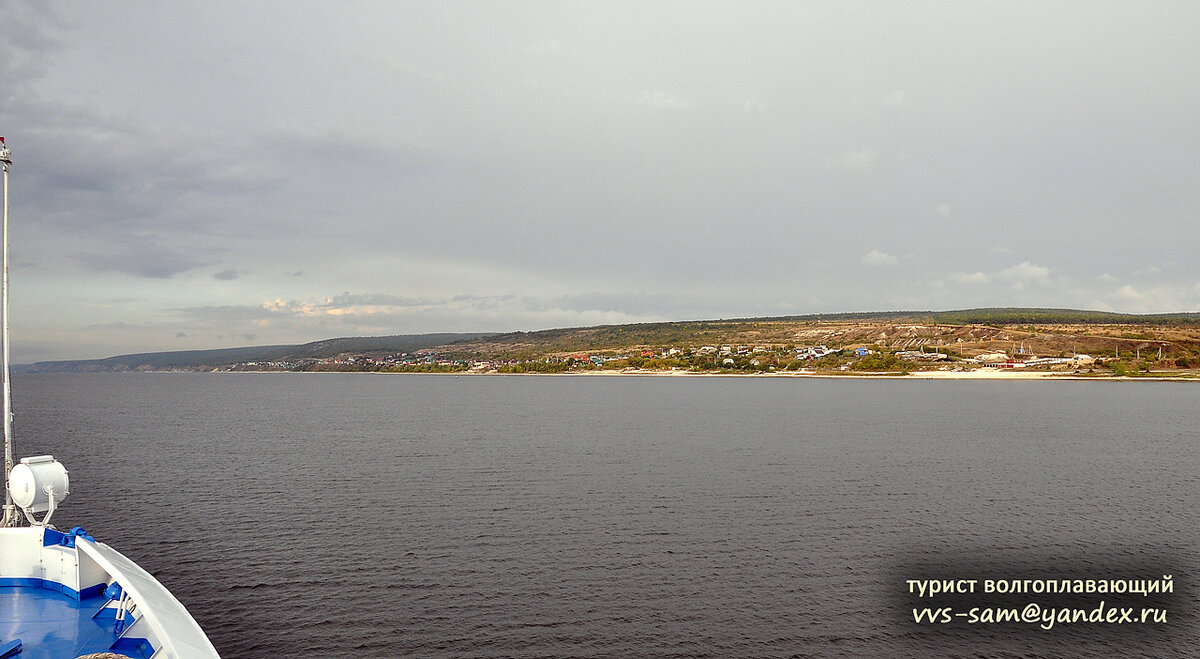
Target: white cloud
(660, 99)
(944, 210)
(1157, 299)
(973, 278)
(754, 105)
(1128, 292)
(545, 47)
(1025, 273)
(1149, 270)
(291, 308)
(876, 257)
(894, 99)
(1106, 277)
(858, 161)
(378, 314)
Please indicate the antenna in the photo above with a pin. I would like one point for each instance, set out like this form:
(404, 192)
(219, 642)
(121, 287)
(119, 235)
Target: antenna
(10, 511)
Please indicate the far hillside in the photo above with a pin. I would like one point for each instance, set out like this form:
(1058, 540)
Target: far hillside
(1166, 340)
(896, 333)
(219, 358)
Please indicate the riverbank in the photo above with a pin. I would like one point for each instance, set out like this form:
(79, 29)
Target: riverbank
(976, 374)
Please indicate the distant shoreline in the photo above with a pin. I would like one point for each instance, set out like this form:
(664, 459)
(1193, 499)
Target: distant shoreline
(994, 374)
(977, 374)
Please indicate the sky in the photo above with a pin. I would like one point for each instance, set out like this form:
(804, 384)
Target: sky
(212, 174)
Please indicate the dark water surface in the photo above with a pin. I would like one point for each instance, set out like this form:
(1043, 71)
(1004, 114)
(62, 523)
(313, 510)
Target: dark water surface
(331, 515)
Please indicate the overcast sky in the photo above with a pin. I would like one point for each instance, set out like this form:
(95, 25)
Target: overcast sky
(216, 174)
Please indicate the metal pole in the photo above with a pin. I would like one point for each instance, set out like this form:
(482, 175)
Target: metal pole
(10, 517)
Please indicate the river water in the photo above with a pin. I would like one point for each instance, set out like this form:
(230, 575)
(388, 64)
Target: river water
(358, 515)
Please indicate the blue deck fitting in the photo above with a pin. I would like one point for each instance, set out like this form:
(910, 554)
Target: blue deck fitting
(51, 537)
(54, 625)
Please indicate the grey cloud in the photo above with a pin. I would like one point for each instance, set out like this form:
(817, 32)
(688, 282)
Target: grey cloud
(225, 313)
(149, 172)
(112, 326)
(663, 305)
(228, 274)
(334, 148)
(149, 261)
(29, 36)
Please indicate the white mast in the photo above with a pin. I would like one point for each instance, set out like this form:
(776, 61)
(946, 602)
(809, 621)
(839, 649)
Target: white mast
(10, 511)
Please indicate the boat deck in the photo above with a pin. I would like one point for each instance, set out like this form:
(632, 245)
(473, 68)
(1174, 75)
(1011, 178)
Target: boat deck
(51, 625)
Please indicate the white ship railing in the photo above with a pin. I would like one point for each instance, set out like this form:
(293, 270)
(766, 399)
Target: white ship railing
(173, 627)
